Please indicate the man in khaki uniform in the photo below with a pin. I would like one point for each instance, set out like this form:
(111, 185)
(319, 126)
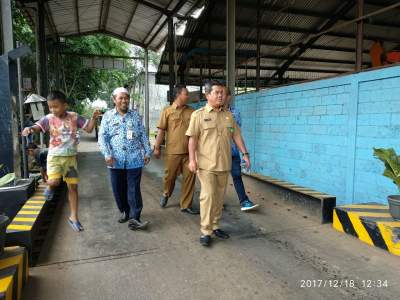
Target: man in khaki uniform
(210, 132)
(174, 121)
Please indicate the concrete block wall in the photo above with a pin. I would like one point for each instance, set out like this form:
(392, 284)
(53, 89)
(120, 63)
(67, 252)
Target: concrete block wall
(378, 125)
(320, 134)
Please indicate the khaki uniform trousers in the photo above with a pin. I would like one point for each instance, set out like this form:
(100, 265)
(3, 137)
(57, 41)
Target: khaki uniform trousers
(213, 187)
(176, 164)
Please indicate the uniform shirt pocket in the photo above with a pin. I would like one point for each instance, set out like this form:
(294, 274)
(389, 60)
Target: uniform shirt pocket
(175, 120)
(228, 126)
(209, 125)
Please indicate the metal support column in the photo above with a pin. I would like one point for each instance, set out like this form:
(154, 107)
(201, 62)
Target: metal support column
(25, 172)
(41, 41)
(360, 36)
(146, 92)
(6, 24)
(258, 50)
(171, 59)
(7, 136)
(230, 45)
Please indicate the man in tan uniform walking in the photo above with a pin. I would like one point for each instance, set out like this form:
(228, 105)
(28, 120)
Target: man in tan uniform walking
(174, 121)
(210, 132)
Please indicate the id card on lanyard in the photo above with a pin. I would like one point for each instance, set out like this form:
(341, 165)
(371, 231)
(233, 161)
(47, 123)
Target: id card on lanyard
(129, 132)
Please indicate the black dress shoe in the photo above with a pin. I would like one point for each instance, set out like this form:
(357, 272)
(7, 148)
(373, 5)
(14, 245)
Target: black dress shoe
(123, 218)
(205, 240)
(136, 224)
(221, 234)
(190, 211)
(163, 201)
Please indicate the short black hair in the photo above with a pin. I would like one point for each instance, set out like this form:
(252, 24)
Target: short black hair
(209, 84)
(57, 95)
(178, 89)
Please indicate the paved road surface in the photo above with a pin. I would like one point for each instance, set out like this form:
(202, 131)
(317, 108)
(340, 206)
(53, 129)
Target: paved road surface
(269, 254)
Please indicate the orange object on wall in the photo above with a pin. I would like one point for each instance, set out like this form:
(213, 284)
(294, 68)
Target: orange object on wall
(393, 57)
(376, 52)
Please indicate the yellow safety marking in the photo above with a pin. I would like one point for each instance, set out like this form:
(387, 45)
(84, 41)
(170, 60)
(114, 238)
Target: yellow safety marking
(336, 223)
(287, 183)
(21, 219)
(327, 196)
(312, 192)
(35, 202)
(12, 261)
(28, 212)
(371, 214)
(36, 209)
(369, 206)
(6, 286)
(359, 228)
(303, 190)
(19, 227)
(32, 206)
(320, 195)
(395, 224)
(392, 240)
(37, 197)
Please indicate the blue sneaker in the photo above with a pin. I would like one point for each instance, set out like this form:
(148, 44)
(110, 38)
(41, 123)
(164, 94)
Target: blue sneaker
(48, 194)
(248, 205)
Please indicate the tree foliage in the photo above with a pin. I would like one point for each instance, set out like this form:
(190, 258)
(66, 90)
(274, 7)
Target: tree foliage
(76, 81)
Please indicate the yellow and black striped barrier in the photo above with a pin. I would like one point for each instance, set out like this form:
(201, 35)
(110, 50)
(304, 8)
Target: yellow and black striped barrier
(371, 223)
(326, 202)
(25, 224)
(14, 272)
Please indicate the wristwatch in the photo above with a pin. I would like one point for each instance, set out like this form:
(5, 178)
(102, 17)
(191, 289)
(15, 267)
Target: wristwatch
(246, 153)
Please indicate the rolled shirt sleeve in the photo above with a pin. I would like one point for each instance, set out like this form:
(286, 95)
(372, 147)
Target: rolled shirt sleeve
(194, 127)
(162, 123)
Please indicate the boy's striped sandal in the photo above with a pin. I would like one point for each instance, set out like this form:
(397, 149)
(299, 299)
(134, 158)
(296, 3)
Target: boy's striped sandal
(76, 226)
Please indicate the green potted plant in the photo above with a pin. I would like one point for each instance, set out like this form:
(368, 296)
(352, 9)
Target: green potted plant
(392, 171)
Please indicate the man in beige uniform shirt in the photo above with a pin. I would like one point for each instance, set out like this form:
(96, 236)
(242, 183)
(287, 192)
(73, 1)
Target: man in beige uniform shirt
(174, 121)
(210, 132)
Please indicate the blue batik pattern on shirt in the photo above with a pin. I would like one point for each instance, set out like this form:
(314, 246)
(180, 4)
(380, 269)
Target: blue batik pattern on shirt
(238, 119)
(114, 140)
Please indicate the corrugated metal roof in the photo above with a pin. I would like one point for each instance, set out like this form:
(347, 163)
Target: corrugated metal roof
(285, 26)
(142, 22)
(283, 23)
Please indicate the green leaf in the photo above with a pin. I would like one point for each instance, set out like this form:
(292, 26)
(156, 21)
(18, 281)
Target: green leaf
(7, 179)
(392, 163)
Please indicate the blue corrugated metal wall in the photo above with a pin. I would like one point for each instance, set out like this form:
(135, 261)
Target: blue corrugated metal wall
(320, 134)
